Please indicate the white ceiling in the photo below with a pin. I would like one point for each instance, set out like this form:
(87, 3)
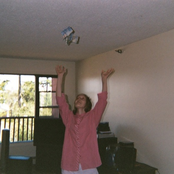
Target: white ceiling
(32, 28)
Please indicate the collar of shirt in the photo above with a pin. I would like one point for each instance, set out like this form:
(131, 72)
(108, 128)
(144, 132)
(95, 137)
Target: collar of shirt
(79, 117)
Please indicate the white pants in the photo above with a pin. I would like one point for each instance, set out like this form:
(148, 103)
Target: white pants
(80, 171)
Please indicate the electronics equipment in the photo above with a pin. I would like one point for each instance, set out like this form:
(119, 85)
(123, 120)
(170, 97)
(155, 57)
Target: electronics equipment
(103, 127)
(121, 156)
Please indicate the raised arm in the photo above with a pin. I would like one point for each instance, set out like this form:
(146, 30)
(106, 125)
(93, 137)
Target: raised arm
(60, 70)
(104, 76)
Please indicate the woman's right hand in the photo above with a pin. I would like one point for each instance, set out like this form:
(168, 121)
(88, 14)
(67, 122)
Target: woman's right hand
(60, 70)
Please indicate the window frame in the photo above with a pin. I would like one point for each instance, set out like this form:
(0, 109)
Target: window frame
(7, 123)
(37, 95)
(36, 89)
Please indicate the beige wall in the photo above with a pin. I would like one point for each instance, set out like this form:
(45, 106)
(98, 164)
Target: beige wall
(141, 96)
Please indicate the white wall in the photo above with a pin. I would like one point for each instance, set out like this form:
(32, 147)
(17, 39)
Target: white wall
(141, 96)
(22, 149)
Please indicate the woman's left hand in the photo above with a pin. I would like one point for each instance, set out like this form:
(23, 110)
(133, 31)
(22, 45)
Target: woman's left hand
(106, 74)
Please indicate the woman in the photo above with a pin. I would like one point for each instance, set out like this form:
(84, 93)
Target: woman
(80, 149)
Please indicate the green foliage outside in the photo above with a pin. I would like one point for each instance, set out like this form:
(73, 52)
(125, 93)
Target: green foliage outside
(10, 98)
(22, 104)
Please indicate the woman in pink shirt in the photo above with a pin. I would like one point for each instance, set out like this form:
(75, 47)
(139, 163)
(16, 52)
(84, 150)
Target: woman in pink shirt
(80, 149)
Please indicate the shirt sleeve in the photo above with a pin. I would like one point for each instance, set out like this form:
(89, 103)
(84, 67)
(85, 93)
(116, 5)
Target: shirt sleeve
(64, 110)
(100, 107)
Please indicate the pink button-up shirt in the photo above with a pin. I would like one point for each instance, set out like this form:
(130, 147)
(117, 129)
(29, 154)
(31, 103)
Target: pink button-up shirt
(80, 142)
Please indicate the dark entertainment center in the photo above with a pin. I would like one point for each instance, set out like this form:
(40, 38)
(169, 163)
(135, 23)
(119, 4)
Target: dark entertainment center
(48, 139)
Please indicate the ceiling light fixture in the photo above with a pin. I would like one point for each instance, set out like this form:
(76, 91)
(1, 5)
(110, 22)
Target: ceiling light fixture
(68, 36)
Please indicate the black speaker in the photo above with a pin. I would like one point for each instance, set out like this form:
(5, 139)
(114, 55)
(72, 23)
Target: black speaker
(125, 158)
(48, 139)
(102, 144)
(5, 149)
(121, 156)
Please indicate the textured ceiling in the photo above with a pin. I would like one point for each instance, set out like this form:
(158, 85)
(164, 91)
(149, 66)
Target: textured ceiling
(32, 28)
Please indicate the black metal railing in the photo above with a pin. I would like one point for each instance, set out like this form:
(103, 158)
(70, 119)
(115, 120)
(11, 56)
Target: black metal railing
(21, 128)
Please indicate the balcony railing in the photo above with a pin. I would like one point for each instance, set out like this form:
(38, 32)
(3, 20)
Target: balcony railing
(21, 128)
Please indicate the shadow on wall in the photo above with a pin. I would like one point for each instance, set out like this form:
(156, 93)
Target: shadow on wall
(147, 152)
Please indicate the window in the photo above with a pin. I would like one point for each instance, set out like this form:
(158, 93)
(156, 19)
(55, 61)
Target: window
(28, 95)
(17, 95)
(23, 97)
(46, 96)
(17, 106)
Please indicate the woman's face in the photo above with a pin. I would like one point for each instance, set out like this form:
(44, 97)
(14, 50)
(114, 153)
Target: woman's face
(80, 101)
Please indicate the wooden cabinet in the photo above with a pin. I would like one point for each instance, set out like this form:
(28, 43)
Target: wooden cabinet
(139, 168)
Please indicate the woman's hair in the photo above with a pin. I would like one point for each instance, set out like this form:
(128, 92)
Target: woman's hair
(88, 105)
